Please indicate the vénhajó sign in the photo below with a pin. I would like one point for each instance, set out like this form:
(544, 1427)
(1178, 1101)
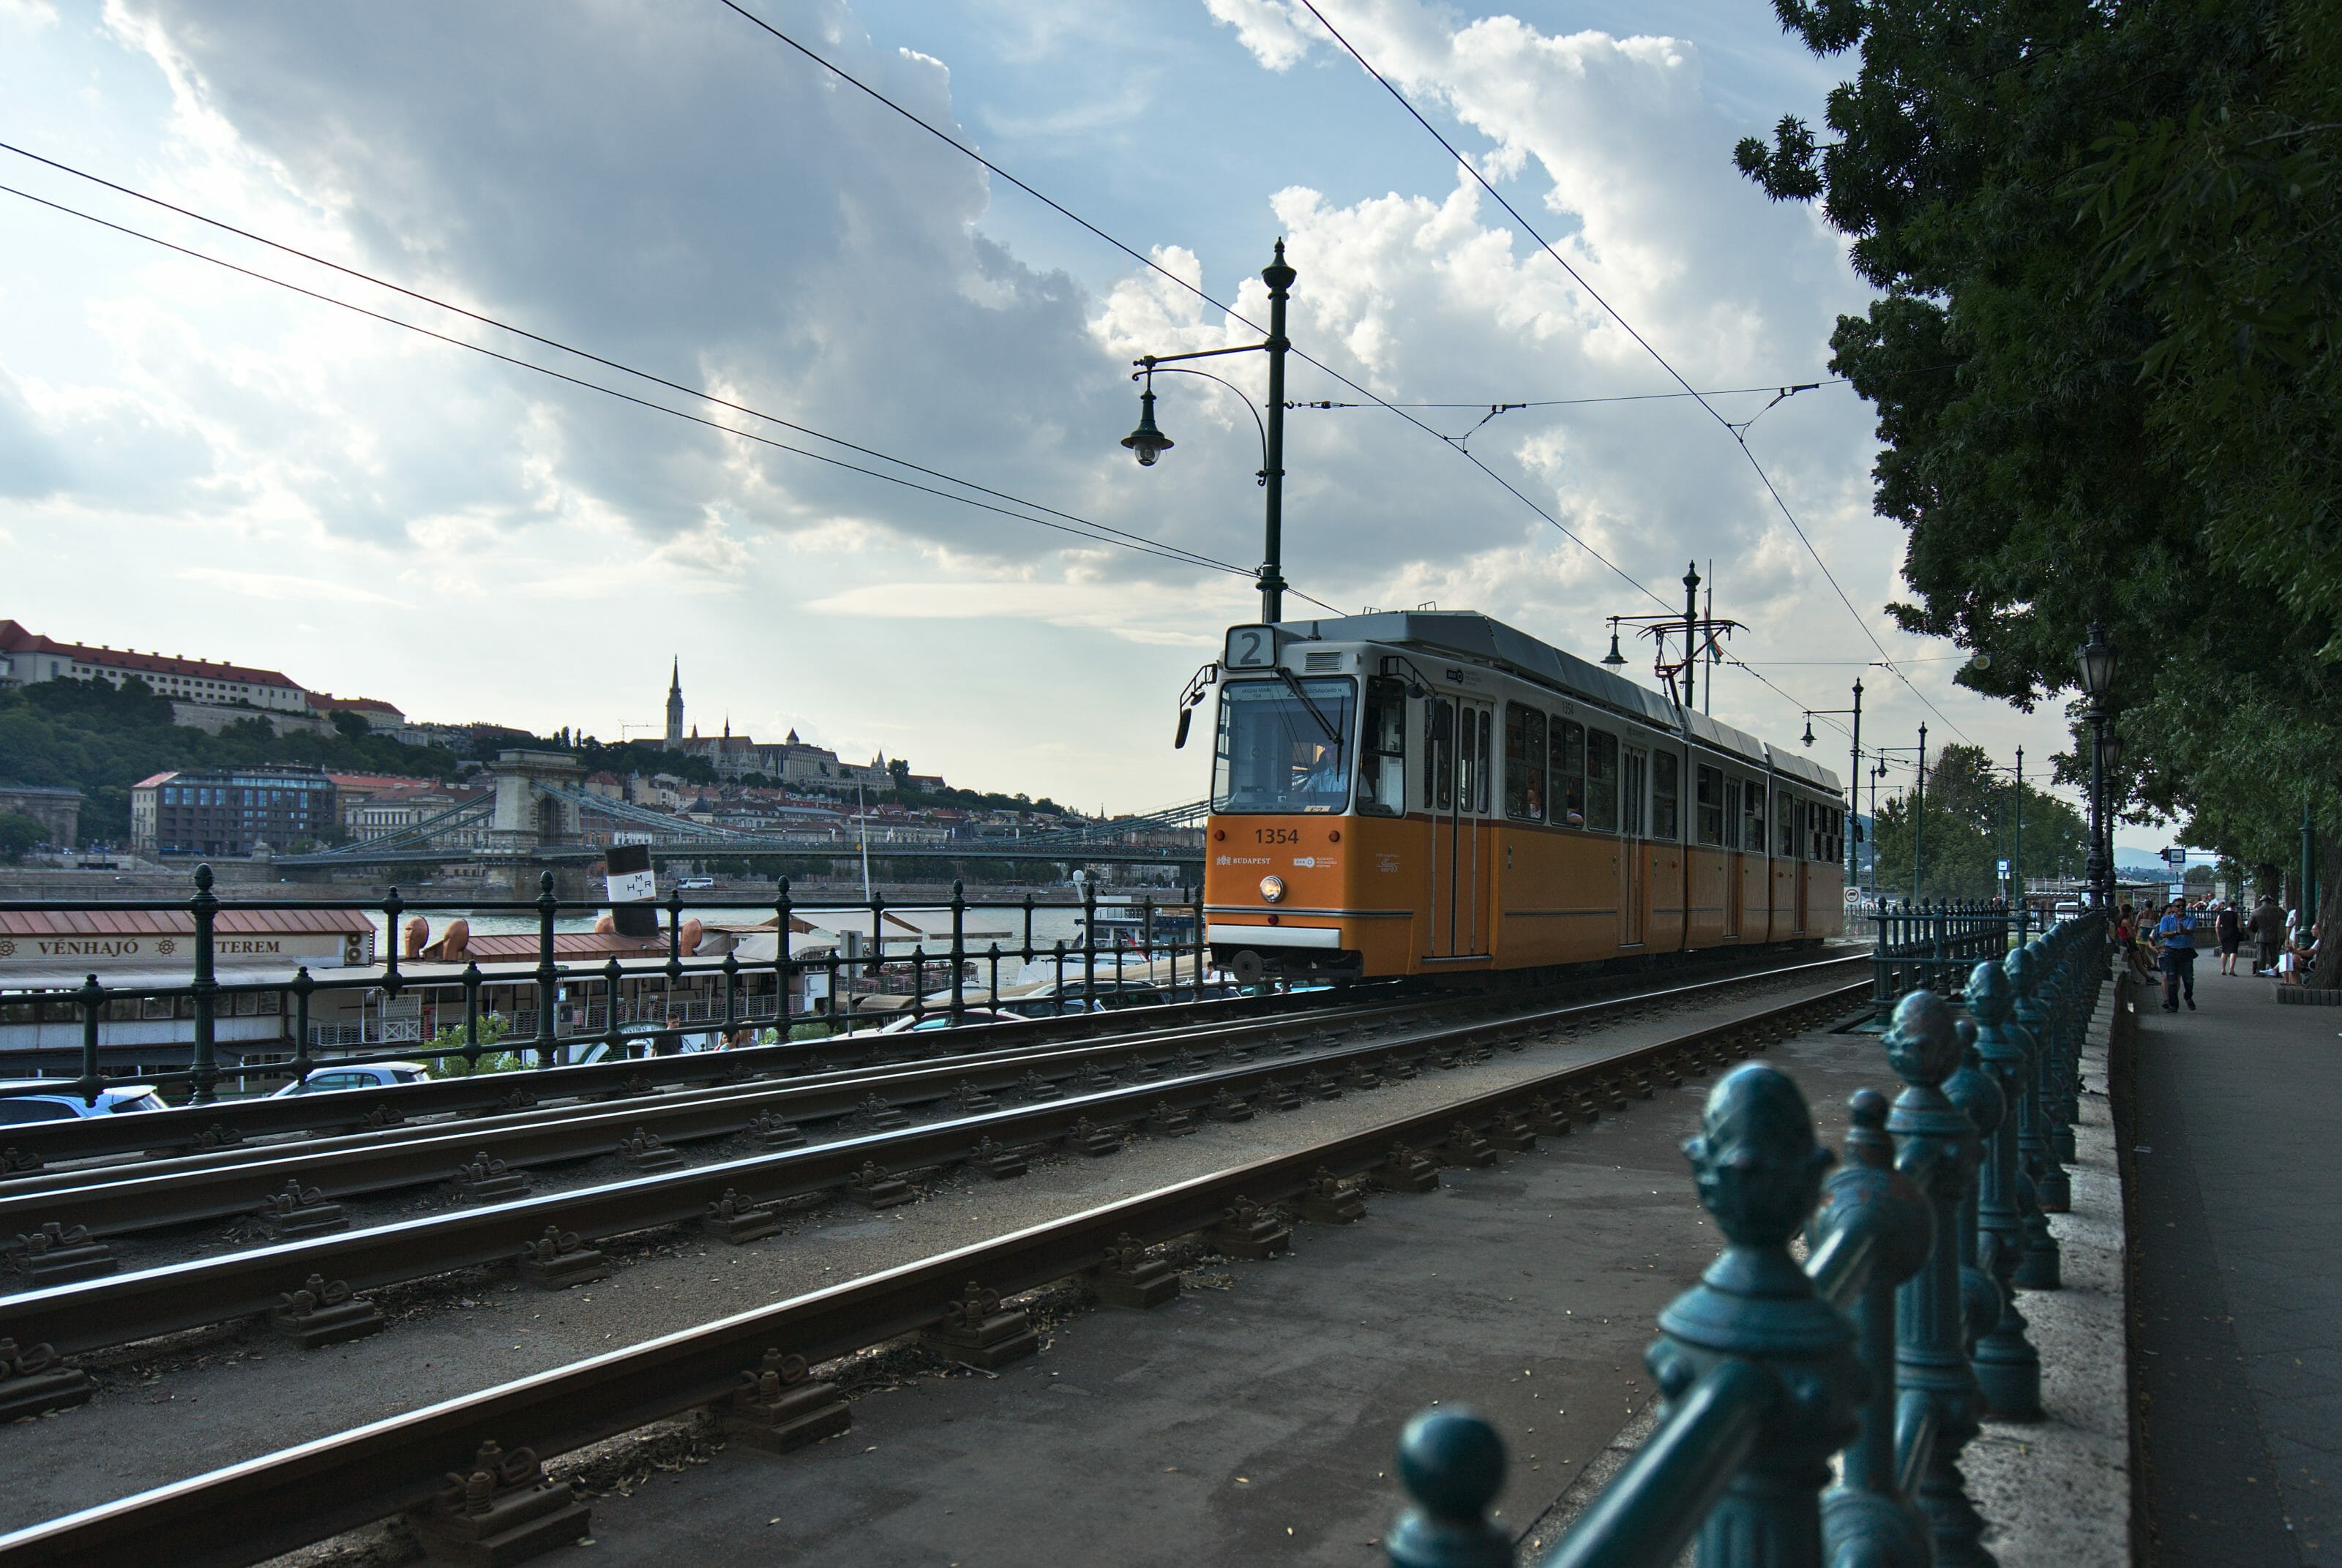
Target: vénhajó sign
(317, 949)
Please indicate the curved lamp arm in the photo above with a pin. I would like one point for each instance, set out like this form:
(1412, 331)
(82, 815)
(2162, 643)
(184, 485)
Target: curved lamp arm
(1151, 371)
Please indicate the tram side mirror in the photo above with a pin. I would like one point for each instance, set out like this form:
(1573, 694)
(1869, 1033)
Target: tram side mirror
(1180, 739)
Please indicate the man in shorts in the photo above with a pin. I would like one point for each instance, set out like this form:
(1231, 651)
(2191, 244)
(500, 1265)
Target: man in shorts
(2177, 934)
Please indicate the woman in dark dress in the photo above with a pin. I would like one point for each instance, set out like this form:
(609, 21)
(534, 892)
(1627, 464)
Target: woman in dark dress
(2229, 927)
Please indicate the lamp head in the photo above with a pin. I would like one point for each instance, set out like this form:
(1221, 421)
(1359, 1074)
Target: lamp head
(2114, 751)
(2097, 660)
(1614, 657)
(1809, 729)
(1147, 443)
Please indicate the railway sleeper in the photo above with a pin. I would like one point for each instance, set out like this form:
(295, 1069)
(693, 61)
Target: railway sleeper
(1131, 1276)
(34, 1382)
(504, 1510)
(59, 1254)
(325, 1312)
(1086, 1137)
(978, 1331)
(559, 1259)
(488, 1180)
(780, 1405)
(739, 1221)
(773, 1132)
(875, 1189)
(646, 1152)
(998, 1162)
(298, 1211)
(1329, 1201)
(1404, 1168)
(1166, 1121)
(1246, 1230)
(1465, 1149)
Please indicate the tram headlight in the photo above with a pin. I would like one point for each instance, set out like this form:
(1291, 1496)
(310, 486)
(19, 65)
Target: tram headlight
(1272, 888)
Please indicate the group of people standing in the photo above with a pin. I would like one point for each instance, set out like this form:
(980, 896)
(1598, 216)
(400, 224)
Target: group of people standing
(2167, 941)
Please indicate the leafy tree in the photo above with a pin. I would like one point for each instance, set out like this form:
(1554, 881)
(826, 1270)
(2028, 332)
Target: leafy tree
(18, 834)
(1970, 825)
(351, 725)
(2104, 234)
(101, 740)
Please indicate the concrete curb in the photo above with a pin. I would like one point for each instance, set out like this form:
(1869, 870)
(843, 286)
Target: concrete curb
(2057, 1493)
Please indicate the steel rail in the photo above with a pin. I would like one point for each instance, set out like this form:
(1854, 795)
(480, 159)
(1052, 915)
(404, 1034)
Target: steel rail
(223, 1122)
(228, 1121)
(117, 1201)
(274, 1503)
(119, 1309)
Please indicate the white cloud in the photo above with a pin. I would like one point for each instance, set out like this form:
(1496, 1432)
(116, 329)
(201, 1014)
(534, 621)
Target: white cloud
(278, 588)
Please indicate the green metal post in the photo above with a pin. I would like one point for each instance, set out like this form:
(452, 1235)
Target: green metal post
(1279, 278)
(205, 909)
(2007, 1367)
(1936, 1413)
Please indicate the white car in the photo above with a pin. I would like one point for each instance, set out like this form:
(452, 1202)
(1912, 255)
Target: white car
(111, 1101)
(370, 1075)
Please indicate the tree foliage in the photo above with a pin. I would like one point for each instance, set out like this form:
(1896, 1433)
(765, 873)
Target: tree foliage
(2108, 240)
(1969, 824)
(90, 736)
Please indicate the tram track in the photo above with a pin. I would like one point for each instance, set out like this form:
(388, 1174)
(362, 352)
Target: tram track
(122, 1308)
(276, 1501)
(158, 1194)
(30, 1148)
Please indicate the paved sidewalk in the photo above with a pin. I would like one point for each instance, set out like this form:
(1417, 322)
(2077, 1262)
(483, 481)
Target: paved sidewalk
(2237, 1316)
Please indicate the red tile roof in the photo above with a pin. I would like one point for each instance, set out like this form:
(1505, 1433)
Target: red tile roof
(15, 639)
(325, 702)
(230, 920)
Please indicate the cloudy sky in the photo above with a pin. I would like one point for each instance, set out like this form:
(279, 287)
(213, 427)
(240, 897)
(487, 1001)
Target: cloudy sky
(195, 461)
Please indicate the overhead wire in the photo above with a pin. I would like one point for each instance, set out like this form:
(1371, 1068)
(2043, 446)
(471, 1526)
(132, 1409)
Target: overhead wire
(1098, 533)
(1153, 266)
(588, 354)
(1737, 433)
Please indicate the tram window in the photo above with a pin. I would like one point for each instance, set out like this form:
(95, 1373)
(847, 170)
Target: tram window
(1439, 753)
(1601, 780)
(1786, 807)
(1475, 792)
(1568, 756)
(1284, 746)
(1710, 821)
(1752, 815)
(1523, 763)
(1381, 770)
(1666, 781)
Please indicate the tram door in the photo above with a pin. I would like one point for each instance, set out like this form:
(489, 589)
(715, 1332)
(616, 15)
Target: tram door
(1800, 839)
(1456, 789)
(1634, 824)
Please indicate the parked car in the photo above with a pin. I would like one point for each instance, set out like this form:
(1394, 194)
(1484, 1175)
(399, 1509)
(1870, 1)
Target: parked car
(113, 1100)
(369, 1075)
(973, 1015)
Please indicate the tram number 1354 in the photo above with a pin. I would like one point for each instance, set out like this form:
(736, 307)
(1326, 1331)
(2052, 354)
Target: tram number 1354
(1276, 836)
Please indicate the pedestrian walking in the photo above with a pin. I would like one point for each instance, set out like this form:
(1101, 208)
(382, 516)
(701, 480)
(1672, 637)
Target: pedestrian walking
(2177, 932)
(2228, 926)
(2267, 929)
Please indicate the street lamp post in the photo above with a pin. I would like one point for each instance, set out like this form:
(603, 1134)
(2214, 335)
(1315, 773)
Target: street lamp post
(2096, 660)
(1854, 771)
(1920, 817)
(1147, 442)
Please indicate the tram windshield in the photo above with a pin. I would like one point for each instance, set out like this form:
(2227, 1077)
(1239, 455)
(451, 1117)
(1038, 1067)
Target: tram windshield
(1284, 745)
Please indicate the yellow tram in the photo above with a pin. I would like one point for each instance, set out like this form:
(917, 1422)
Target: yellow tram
(1434, 792)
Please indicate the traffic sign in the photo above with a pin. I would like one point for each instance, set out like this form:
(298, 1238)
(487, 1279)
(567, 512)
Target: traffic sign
(2175, 856)
(2004, 868)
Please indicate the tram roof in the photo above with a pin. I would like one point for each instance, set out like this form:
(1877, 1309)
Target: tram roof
(1483, 638)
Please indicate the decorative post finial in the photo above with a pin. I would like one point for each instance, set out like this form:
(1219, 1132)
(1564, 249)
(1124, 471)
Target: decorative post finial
(1451, 1463)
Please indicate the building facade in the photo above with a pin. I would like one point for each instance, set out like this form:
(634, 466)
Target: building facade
(231, 812)
(27, 658)
(57, 810)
